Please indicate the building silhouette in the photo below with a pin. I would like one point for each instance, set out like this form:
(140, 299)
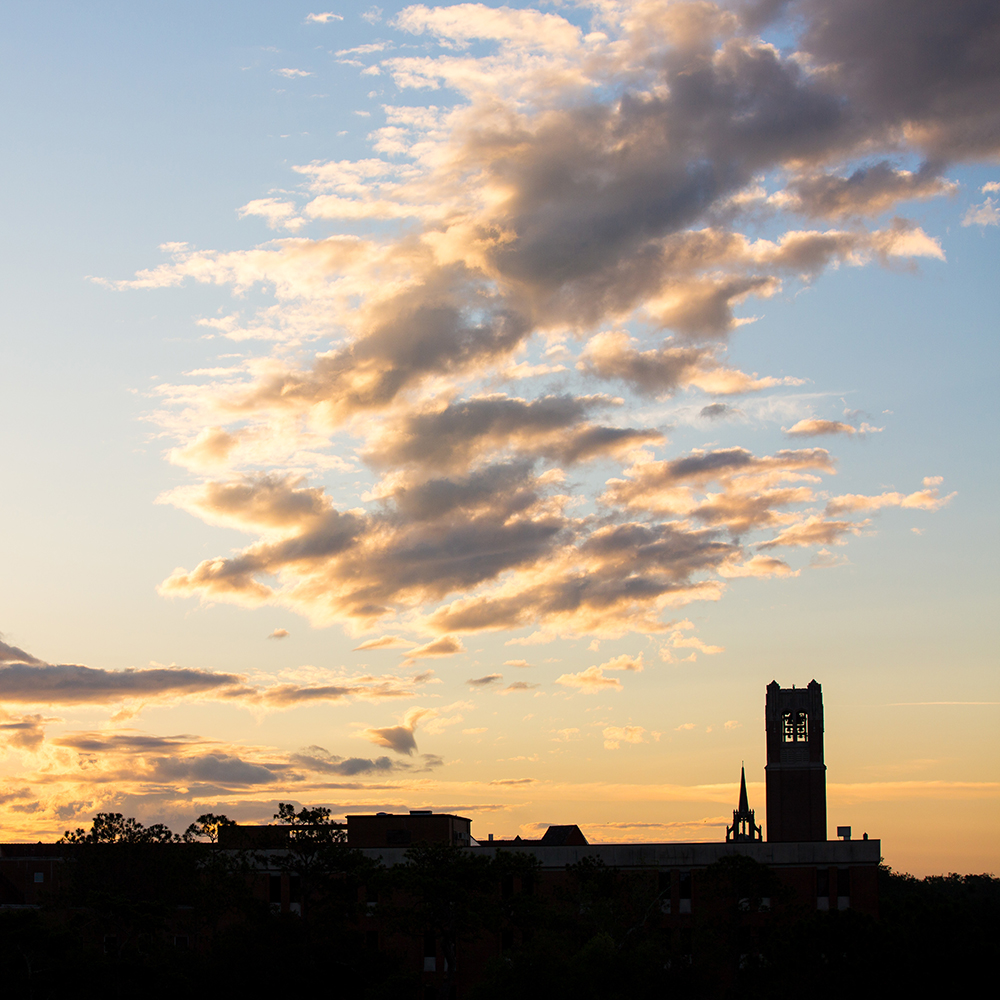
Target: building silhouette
(805, 871)
(795, 772)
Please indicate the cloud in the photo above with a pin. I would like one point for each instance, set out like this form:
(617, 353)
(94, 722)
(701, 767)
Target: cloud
(450, 438)
(986, 214)
(24, 732)
(516, 663)
(317, 759)
(385, 642)
(825, 559)
(517, 686)
(678, 640)
(815, 428)
(927, 499)
(590, 681)
(325, 18)
(513, 781)
(610, 356)
(485, 681)
(12, 654)
(573, 216)
(364, 687)
(171, 759)
(814, 530)
(293, 73)
(447, 645)
(70, 684)
(279, 633)
(614, 736)
(623, 662)
(715, 410)
(276, 213)
(868, 190)
(400, 739)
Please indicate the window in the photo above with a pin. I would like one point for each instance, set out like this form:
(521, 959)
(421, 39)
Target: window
(685, 892)
(39, 876)
(822, 882)
(274, 889)
(795, 727)
(430, 952)
(822, 888)
(664, 889)
(843, 888)
(843, 881)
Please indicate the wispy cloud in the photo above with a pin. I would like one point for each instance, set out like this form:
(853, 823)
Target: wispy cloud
(485, 681)
(31, 682)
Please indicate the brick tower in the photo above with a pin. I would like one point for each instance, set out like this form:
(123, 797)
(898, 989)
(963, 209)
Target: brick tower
(795, 772)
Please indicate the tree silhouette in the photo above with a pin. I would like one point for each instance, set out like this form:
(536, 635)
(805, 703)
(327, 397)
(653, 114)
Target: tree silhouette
(207, 827)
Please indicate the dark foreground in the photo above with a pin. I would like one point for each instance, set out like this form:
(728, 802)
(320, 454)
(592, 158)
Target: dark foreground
(161, 919)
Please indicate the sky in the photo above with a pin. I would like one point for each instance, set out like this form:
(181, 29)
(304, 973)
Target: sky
(474, 407)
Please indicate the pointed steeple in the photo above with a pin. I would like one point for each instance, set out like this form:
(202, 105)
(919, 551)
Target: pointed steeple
(744, 829)
(744, 801)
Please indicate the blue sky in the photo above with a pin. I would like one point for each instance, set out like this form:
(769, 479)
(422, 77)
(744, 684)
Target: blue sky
(134, 128)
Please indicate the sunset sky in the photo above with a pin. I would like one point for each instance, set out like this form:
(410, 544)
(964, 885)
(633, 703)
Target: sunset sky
(474, 407)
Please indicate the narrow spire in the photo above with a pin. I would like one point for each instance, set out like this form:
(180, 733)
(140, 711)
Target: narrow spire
(744, 828)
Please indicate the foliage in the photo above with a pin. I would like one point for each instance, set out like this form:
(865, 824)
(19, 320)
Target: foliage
(207, 827)
(114, 828)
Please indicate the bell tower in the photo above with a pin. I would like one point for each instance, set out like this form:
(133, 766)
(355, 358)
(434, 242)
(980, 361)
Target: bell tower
(795, 772)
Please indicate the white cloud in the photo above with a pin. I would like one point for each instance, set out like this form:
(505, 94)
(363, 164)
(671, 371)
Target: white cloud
(590, 681)
(986, 214)
(278, 214)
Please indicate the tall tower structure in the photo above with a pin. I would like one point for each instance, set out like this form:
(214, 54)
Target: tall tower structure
(795, 772)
